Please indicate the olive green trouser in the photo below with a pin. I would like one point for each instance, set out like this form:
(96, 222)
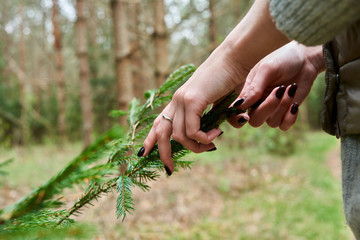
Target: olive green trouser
(350, 157)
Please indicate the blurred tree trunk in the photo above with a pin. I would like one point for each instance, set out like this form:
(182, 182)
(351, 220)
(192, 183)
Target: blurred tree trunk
(85, 88)
(23, 80)
(93, 53)
(137, 60)
(59, 71)
(122, 56)
(147, 51)
(161, 41)
(212, 26)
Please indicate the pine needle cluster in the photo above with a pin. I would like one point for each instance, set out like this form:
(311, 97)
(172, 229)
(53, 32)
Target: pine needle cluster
(122, 171)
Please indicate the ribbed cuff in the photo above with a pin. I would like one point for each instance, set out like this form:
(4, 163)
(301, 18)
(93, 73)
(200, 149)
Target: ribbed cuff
(314, 22)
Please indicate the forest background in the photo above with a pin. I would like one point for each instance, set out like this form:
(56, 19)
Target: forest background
(66, 64)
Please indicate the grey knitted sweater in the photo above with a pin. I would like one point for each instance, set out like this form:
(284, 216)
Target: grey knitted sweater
(314, 22)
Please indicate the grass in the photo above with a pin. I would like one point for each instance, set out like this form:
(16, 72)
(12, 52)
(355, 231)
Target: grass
(33, 165)
(231, 193)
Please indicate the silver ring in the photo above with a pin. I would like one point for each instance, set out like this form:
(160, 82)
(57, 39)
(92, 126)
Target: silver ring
(167, 118)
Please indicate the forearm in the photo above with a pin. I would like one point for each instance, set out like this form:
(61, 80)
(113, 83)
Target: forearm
(253, 38)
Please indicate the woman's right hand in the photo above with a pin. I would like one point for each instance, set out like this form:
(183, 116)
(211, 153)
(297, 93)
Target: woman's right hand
(273, 82)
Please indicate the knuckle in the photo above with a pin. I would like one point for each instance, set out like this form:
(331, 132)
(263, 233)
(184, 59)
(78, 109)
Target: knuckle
(156, 122)
(177, 96)
(177, 137)
(272, 124)
(191, 134)
(189, 98)
(253, 91)
(158, 132)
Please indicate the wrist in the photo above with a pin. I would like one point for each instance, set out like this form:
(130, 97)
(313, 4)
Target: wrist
(232, 60)
(315, 57)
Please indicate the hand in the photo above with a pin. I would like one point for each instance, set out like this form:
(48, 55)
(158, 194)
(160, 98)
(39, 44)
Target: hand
(214, 79)
(278, 84)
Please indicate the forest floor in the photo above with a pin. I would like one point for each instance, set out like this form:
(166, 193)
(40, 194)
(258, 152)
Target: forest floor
(229, 194)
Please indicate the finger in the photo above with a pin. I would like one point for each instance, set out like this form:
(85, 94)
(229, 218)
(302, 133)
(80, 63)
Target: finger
(259, 115)
(150, 141)
(276, 118)
(163, 133)
(192, 125)
(239, 120)
(257, 82)
(178, 134)
(290, 117)
(152, 137)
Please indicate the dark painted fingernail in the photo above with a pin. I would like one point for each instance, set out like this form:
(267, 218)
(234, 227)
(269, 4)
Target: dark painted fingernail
(292, 90)
(213, 149)
(242, 120)
(141, 152)
(220, 134)
(238, 103)
(257, 104)
(231, 113)
(280, 92)
(168, 171)
(294, 108)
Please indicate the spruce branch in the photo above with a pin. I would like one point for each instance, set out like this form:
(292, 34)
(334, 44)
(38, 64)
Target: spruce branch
(125, 202)
(121, 150)
(35, 200)
(141, 170)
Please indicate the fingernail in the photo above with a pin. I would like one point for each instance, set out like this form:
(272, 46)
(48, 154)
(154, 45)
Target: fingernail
(280, 92)
(257, 104)
(231, 113)
(220, 134)
(238, 103)
(242, 120)
(292, 90)
(168, 171)
(294, 108)
(141, 152)
(213, 149)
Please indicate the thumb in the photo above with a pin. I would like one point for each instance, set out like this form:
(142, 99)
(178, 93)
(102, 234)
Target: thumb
(258, 80)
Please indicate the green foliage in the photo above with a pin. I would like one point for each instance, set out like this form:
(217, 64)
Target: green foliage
(125, 202)
(73, 116)
(35, 209)
(71, 174)
(9, 112)
(4, 163)
(314, 102)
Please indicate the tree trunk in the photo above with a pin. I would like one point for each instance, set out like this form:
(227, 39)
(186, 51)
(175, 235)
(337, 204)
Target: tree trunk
(122, 56)
(93, 53)
(212, 26)
(137, 57)
(23, 81)
(85, 88)
(161, 40)
(59, 71)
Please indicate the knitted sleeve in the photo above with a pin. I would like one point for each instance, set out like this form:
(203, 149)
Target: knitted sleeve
(314, 22)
